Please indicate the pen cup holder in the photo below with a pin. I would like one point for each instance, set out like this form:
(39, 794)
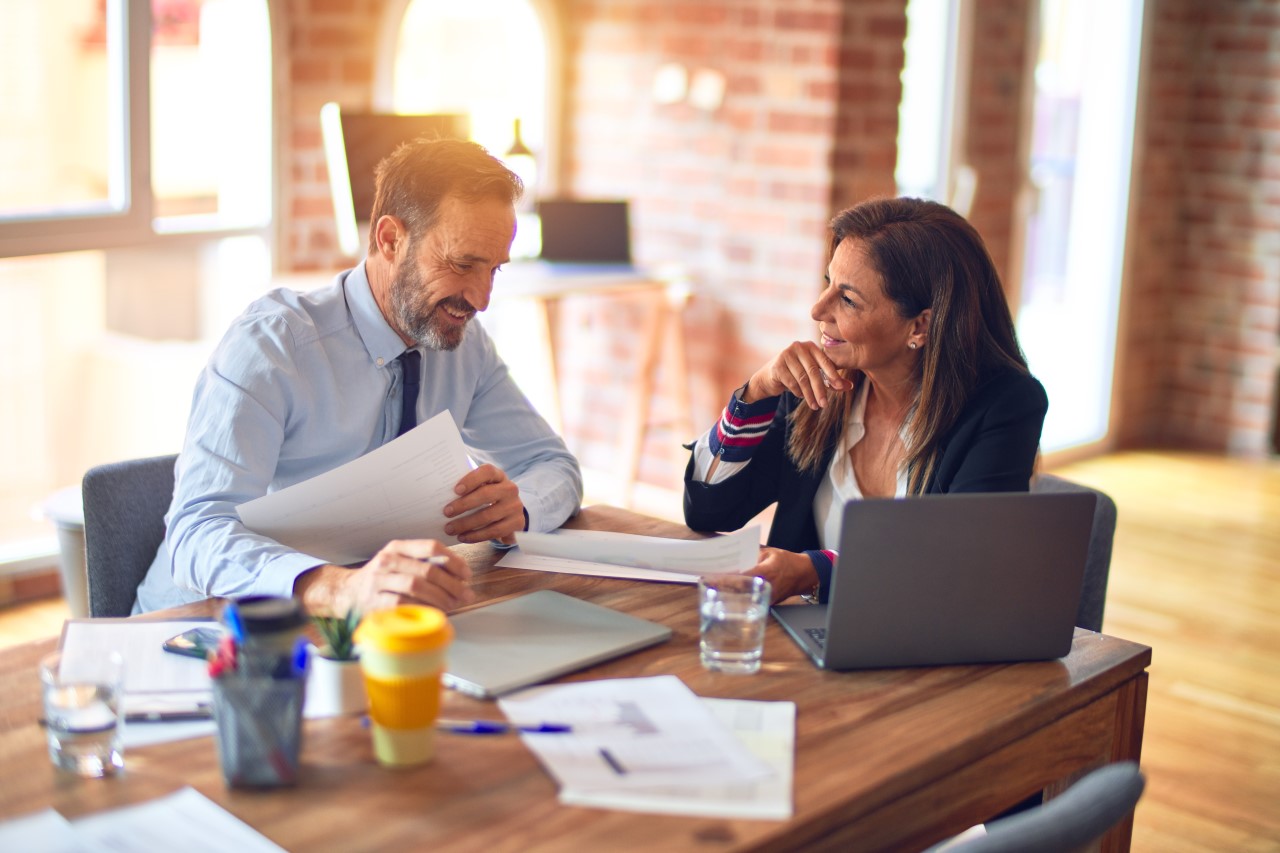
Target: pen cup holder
(259, 729)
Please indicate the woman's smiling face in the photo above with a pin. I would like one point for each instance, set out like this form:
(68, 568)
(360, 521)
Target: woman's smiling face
(860, 326)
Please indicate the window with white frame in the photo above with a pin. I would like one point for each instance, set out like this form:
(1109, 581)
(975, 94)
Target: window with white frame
(135, 207)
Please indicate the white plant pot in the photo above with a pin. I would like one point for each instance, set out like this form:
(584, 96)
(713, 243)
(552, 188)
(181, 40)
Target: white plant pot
(334, 687)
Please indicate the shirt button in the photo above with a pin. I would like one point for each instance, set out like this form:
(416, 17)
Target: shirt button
(379, 361)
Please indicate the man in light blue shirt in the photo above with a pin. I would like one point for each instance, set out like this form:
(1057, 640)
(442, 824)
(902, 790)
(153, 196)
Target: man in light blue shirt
(305, 382)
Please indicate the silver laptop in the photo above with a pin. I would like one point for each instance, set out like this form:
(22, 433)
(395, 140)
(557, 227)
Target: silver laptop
(949, 579)
(536, 637)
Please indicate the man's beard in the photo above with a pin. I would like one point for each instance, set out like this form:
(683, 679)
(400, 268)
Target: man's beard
(419, 319)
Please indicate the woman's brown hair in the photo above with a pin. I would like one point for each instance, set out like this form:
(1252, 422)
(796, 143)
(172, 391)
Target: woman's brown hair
(928, 257)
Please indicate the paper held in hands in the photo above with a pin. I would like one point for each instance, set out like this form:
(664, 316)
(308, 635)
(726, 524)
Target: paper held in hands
(595, 552)
(346, 515)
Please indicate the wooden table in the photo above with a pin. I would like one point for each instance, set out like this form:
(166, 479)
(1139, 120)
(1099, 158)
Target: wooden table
(885, 759)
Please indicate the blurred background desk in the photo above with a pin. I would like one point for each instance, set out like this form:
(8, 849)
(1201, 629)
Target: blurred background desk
(659, 344)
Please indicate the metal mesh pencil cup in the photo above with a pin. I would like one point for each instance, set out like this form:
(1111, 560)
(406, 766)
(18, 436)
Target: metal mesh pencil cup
(259, 729)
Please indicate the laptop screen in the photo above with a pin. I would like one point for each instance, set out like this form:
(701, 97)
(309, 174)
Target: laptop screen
(576, 231)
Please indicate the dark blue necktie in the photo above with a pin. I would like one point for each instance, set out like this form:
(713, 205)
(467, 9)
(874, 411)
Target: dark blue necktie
(410, 371)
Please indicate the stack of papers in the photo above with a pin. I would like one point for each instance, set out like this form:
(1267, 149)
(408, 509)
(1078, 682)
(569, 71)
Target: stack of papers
(185, 820)
(626, 555)
(651, 745)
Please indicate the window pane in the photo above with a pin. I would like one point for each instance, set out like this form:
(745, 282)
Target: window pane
(59, 151)
(211, 110)
(486, 58)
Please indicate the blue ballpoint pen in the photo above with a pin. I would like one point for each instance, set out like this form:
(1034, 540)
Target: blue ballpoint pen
(495, 727)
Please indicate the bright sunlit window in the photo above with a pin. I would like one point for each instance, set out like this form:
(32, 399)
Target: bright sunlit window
(487, 58)
(107, 313)
(211, 113)
(60, 140)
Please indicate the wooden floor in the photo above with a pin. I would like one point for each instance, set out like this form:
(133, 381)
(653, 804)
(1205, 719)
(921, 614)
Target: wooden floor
(1195, 575)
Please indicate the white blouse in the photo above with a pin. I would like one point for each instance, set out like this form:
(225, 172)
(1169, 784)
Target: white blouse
(841, 485)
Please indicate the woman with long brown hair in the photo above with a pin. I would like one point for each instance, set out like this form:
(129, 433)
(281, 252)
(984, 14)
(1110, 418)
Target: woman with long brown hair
(915, 386)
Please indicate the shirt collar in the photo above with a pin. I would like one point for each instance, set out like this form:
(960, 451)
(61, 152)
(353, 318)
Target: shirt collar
(855, 427)
(380, 340)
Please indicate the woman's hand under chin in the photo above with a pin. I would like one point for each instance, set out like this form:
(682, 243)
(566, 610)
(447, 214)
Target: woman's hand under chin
(787, 572)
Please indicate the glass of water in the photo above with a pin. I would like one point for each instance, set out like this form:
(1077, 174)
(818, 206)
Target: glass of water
(733, 611)
(83, 712)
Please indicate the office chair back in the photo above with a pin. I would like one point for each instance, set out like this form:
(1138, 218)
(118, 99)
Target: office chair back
(1093, 596)
(1076, 818)
(124, 507)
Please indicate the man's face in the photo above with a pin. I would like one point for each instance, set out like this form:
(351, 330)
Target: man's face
(446, 276)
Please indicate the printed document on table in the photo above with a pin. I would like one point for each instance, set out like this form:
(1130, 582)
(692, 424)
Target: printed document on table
(346, 515)
(46, 831)
(184, 820)
(150, 673)
(631, 734)
(732, 552)
(154, 680)
(768, 729)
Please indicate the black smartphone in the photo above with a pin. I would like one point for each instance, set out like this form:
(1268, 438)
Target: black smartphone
(195, 643)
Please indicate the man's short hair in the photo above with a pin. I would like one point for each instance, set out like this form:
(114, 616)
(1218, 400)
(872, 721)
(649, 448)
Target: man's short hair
(412, 181)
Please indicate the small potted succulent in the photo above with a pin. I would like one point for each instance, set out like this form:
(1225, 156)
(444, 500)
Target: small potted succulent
(336, 683)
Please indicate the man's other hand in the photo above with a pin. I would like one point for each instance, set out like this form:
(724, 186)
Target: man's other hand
(488, 506)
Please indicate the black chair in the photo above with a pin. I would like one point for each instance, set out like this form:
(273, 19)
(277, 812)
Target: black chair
(124, 507)
(1093, 597)
(1079, 816)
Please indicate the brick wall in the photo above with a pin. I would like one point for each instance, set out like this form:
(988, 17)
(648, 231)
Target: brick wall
(1203, 311)
(739, 196)
(329, 56)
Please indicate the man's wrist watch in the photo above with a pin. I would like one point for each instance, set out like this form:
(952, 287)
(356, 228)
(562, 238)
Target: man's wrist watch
(811, 597)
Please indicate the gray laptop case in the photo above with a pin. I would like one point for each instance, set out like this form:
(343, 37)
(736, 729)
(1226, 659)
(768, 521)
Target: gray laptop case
(536, 637)
(949, 579)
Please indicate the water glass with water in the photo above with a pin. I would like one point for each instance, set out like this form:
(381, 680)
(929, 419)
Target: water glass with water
(733, 611)
(83, 712)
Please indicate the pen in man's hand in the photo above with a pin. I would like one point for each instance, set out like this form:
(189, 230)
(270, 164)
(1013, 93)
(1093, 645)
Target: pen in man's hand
(495, 727)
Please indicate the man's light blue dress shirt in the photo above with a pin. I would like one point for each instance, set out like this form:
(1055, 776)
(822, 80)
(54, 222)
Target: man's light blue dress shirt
(302, 383)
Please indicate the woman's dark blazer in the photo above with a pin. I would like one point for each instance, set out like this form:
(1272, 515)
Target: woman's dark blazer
(991, 448)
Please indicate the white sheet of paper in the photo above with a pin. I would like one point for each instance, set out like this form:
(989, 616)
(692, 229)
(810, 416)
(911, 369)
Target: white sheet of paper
(732, 552)
(768, 729)
(46, 831)
(518, 559)
(346, 515)
(631, 733)
(155, 678)
(184, 820)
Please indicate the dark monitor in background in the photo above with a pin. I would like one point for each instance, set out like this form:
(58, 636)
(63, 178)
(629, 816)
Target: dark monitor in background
(577, 231)
(354, 143)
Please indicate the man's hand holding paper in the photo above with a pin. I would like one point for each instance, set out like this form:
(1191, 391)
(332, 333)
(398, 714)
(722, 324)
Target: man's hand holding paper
(488, 507)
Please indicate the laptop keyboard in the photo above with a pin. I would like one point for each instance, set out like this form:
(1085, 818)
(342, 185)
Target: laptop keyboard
(818, 635)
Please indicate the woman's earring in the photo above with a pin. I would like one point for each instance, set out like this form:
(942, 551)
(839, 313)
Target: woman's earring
(911, 345)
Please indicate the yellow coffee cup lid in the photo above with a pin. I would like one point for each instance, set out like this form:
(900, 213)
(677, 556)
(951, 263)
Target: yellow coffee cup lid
(406, 628)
